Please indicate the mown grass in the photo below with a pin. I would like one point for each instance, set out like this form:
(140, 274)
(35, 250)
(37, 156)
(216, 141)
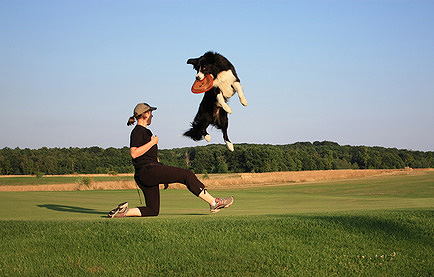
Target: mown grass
(374, 243)
(370, 227)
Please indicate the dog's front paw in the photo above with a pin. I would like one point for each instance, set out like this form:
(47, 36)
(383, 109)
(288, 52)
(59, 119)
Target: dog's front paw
(243, 101)
(227, 109)
(222, 103)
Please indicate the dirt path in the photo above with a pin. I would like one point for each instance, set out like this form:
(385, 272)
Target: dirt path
(235, 180)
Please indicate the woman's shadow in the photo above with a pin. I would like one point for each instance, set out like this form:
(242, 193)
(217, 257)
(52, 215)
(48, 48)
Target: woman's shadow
(71, 209)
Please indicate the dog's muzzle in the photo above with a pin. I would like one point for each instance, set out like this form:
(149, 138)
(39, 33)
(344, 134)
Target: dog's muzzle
(200, 76)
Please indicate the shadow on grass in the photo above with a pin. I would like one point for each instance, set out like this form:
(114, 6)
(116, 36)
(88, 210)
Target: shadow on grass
(71, 209)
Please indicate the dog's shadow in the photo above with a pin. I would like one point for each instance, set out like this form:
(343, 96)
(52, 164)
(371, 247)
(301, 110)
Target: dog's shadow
(71, 209)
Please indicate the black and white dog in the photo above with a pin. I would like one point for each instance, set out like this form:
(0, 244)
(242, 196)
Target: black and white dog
(213, 109)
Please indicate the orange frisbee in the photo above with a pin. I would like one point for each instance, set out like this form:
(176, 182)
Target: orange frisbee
(203, 85)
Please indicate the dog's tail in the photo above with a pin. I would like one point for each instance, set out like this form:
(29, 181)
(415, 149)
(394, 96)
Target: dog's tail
(194, 134)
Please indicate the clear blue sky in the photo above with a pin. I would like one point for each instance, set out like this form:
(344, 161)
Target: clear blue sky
(353, 72)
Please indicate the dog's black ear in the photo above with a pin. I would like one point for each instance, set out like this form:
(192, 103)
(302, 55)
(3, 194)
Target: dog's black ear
(192, 61)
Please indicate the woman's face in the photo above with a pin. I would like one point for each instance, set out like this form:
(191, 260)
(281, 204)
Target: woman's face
(149, 117)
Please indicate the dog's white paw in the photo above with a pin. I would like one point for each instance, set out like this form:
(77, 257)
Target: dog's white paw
(230, 145)
(227, 109)
(208, 138)
(221, 101)
(243, 101)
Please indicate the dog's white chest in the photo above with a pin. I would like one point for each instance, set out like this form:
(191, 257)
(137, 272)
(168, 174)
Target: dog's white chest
(224, 81)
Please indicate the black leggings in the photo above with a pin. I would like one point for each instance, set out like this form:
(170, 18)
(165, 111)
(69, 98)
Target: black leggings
(149, 177)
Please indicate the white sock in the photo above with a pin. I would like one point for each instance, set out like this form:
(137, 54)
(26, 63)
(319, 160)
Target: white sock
(214, 203)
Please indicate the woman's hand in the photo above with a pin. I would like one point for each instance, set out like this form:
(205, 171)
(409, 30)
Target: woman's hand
(138, 151)
(154, 140)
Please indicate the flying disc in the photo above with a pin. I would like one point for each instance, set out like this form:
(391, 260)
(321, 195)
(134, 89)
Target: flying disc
(201, 86)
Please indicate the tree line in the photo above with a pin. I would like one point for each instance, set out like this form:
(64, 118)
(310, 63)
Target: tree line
(214, 158)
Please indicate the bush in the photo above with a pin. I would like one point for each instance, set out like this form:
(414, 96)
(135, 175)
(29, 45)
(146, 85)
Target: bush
(39, 175)
(84, 181)
(205, 174)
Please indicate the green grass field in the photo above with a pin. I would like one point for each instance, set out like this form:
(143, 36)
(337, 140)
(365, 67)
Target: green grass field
(369, 227)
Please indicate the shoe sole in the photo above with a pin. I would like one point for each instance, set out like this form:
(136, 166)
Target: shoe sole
(116, 210)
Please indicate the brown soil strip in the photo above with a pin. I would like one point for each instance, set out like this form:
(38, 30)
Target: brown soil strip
(235, 180)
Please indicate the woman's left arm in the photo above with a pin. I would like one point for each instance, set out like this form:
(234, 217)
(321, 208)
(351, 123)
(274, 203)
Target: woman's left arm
(138, 151)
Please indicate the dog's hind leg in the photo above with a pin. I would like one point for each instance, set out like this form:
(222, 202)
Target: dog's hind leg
(237, 87)
(226, 138)
(223, 124)
(230, 145)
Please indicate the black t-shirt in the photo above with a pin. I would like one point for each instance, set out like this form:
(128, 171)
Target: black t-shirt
(140, 136)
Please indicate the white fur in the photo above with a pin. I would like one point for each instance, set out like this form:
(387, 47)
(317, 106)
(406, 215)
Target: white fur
(238, 88)
(230, 145)
(223, 103)
(200, 75)
(226, 81)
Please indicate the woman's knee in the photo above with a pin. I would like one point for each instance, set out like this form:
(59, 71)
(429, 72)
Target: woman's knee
(189, 174)
(149, 211)
(153, 213)
(155, 210)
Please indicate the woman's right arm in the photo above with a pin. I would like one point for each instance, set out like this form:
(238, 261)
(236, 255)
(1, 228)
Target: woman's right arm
(138, 151)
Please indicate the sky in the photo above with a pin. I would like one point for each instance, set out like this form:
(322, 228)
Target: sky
(352, 72)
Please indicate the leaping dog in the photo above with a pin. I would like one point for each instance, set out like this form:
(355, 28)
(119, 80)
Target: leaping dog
(213, 109)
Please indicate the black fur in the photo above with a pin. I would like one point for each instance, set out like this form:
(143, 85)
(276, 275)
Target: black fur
(210, 112)
(214, 63)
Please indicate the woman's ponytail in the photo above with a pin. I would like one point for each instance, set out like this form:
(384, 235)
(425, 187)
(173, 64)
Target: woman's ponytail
(131, 121)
